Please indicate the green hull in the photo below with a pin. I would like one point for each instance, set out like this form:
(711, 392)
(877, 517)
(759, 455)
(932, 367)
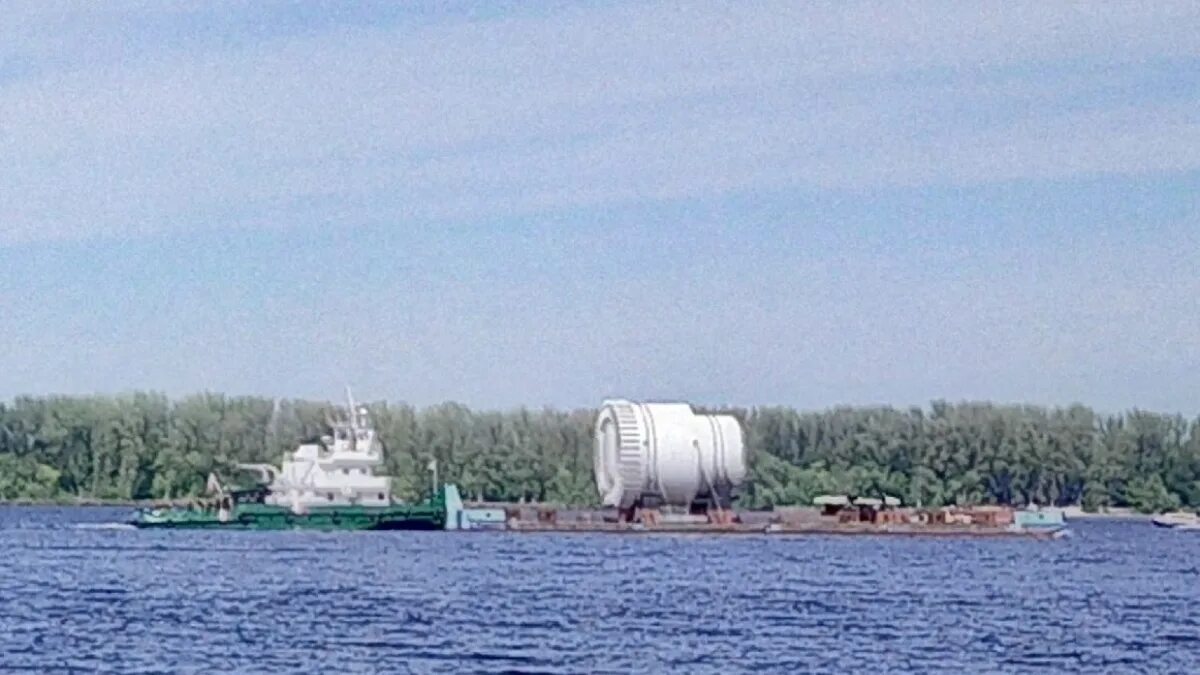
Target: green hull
(426, 516)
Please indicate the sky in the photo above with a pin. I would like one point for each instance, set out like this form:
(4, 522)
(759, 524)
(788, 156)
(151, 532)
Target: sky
(511, 203)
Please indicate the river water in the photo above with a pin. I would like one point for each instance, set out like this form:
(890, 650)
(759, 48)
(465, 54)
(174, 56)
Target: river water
(77, 595)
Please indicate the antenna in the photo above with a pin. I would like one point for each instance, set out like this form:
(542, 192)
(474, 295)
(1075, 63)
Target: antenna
(353, 414)
(351, 409)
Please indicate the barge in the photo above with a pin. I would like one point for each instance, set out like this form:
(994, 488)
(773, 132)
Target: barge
(777, 529)
(864, 519)
(659, 469)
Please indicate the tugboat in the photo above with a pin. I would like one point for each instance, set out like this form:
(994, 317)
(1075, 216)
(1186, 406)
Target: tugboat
(323, 486)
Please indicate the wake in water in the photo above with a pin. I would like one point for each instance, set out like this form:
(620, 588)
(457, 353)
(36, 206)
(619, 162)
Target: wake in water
(103, 526)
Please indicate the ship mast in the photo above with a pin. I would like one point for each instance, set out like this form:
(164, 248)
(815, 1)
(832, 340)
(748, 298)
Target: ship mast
(353, 419)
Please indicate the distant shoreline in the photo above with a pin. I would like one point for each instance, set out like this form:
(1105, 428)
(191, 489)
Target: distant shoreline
(90, 503)
(1107, 515)
(1070, 513)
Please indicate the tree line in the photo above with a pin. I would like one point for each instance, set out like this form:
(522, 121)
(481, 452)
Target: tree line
(147, 446)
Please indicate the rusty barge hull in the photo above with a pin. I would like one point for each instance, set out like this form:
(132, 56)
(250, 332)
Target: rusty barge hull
(776, 531)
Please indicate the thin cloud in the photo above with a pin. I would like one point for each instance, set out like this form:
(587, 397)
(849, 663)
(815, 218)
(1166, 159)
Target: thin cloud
(474, 119)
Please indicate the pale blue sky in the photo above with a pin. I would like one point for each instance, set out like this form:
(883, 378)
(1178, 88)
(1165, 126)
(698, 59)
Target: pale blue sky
(807, 204)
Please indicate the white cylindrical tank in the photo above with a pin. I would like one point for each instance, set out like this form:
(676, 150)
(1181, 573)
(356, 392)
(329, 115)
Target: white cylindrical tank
(666, 451)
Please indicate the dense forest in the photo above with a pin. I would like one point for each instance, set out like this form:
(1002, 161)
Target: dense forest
(146, 446)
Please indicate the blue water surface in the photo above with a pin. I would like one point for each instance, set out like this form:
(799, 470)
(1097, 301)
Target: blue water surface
(79, 596)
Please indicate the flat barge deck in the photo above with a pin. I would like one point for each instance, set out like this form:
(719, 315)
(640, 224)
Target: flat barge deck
(776, 529)
(980, 523)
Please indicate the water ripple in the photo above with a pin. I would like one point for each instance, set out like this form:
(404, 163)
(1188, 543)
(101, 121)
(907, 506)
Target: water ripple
(77, 596)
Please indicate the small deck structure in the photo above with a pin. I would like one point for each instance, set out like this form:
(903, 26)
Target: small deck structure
(872, 510)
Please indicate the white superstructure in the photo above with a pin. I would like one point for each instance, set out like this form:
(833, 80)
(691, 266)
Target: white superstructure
(338, 472)
(1179, 520)
(667, 453)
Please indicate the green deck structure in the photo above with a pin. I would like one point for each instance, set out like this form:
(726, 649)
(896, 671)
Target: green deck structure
(253, 515)
(1039, 519)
